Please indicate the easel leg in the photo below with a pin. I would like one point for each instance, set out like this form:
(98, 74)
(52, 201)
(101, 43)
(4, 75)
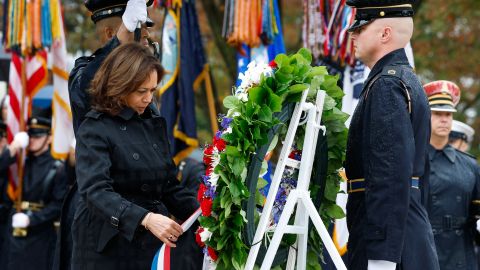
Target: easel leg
(279, 231)
(301, 219)
(322, 231)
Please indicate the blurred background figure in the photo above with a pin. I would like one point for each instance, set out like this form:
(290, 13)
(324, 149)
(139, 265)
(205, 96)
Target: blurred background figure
(5, 203)
(31, 234)
(453, 196)
(461, 136)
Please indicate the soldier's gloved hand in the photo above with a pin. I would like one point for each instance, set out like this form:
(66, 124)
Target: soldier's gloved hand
(135, 12)
(20, 220)
(381, 265)
(20, 140)
(163, 228)
(478, 225)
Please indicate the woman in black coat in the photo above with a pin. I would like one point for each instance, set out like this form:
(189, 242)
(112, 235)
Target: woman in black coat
(125, 173)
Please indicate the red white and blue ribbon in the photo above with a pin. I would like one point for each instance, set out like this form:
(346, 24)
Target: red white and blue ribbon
(162, 261)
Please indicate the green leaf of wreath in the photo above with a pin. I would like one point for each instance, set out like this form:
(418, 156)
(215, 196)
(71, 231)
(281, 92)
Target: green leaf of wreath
(231, 102)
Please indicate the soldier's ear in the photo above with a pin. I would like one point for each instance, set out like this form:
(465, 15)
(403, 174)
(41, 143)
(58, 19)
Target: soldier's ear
(109, 32)
(386, 34)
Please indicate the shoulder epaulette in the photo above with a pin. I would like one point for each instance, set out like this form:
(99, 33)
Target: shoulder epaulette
(466, 154)
(395, 71)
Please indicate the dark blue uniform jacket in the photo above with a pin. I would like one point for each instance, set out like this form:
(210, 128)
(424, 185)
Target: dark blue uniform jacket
(387, 146)
(453, 202)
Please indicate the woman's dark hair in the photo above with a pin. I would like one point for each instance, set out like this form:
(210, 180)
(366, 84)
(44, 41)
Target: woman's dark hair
(122, 73)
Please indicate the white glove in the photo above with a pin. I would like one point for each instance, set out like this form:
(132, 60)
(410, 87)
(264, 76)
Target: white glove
(381, 265)
(20, 140)
(135, 12)
(478, 225)
(20, 220)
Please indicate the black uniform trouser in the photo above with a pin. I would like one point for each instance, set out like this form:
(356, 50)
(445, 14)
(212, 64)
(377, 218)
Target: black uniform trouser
(419, 247)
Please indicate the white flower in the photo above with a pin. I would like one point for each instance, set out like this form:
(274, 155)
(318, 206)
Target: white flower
(211, 265)
(243, 97)
(213, 179)
(239, 90)
(205, 235)
(227, 130)
(253, 74)
(215, 158)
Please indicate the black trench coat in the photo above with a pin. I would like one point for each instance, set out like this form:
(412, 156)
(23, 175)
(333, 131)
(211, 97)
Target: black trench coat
(124, 170)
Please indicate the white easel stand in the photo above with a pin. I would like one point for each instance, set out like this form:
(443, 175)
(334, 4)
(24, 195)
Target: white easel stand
(299, 196)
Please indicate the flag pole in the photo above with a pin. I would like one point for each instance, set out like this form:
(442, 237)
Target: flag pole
(21, 232)
(211, 102)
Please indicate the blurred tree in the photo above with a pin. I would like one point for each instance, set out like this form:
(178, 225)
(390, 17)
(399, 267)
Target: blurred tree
(446, 47)
(80, 30)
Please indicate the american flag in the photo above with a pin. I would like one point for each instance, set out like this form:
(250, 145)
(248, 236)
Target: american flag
(35, 73)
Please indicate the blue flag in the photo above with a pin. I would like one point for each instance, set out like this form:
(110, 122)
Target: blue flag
(186, 68)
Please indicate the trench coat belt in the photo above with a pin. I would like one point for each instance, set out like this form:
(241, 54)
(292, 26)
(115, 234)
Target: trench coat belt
(358, 185)
(29, 206)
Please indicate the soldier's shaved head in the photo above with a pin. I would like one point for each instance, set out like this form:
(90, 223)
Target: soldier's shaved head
(107, 28)
(402, 29)
(380, 37)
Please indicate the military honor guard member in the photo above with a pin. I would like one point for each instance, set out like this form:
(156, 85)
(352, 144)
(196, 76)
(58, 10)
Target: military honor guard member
(461, 136)
(30, 240)
(387, 147)
(454, 192)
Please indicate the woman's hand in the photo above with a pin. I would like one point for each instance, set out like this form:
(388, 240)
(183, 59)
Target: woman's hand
(163, 228)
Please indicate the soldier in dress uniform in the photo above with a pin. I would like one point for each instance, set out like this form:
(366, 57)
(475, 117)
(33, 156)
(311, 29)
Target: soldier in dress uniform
(461, 136)
(386, 149)
(30, 241)
(454, 191)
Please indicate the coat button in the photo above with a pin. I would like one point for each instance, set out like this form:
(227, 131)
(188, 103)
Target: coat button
(145, 187)
(136, 156)
(459, 198)
(155, 146)
(123, 127)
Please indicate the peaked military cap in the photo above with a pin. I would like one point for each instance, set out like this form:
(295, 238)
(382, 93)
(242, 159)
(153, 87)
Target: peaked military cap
(461, 131)
(442, 95)
(369, 10)
(40, 123)
(102, 9)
